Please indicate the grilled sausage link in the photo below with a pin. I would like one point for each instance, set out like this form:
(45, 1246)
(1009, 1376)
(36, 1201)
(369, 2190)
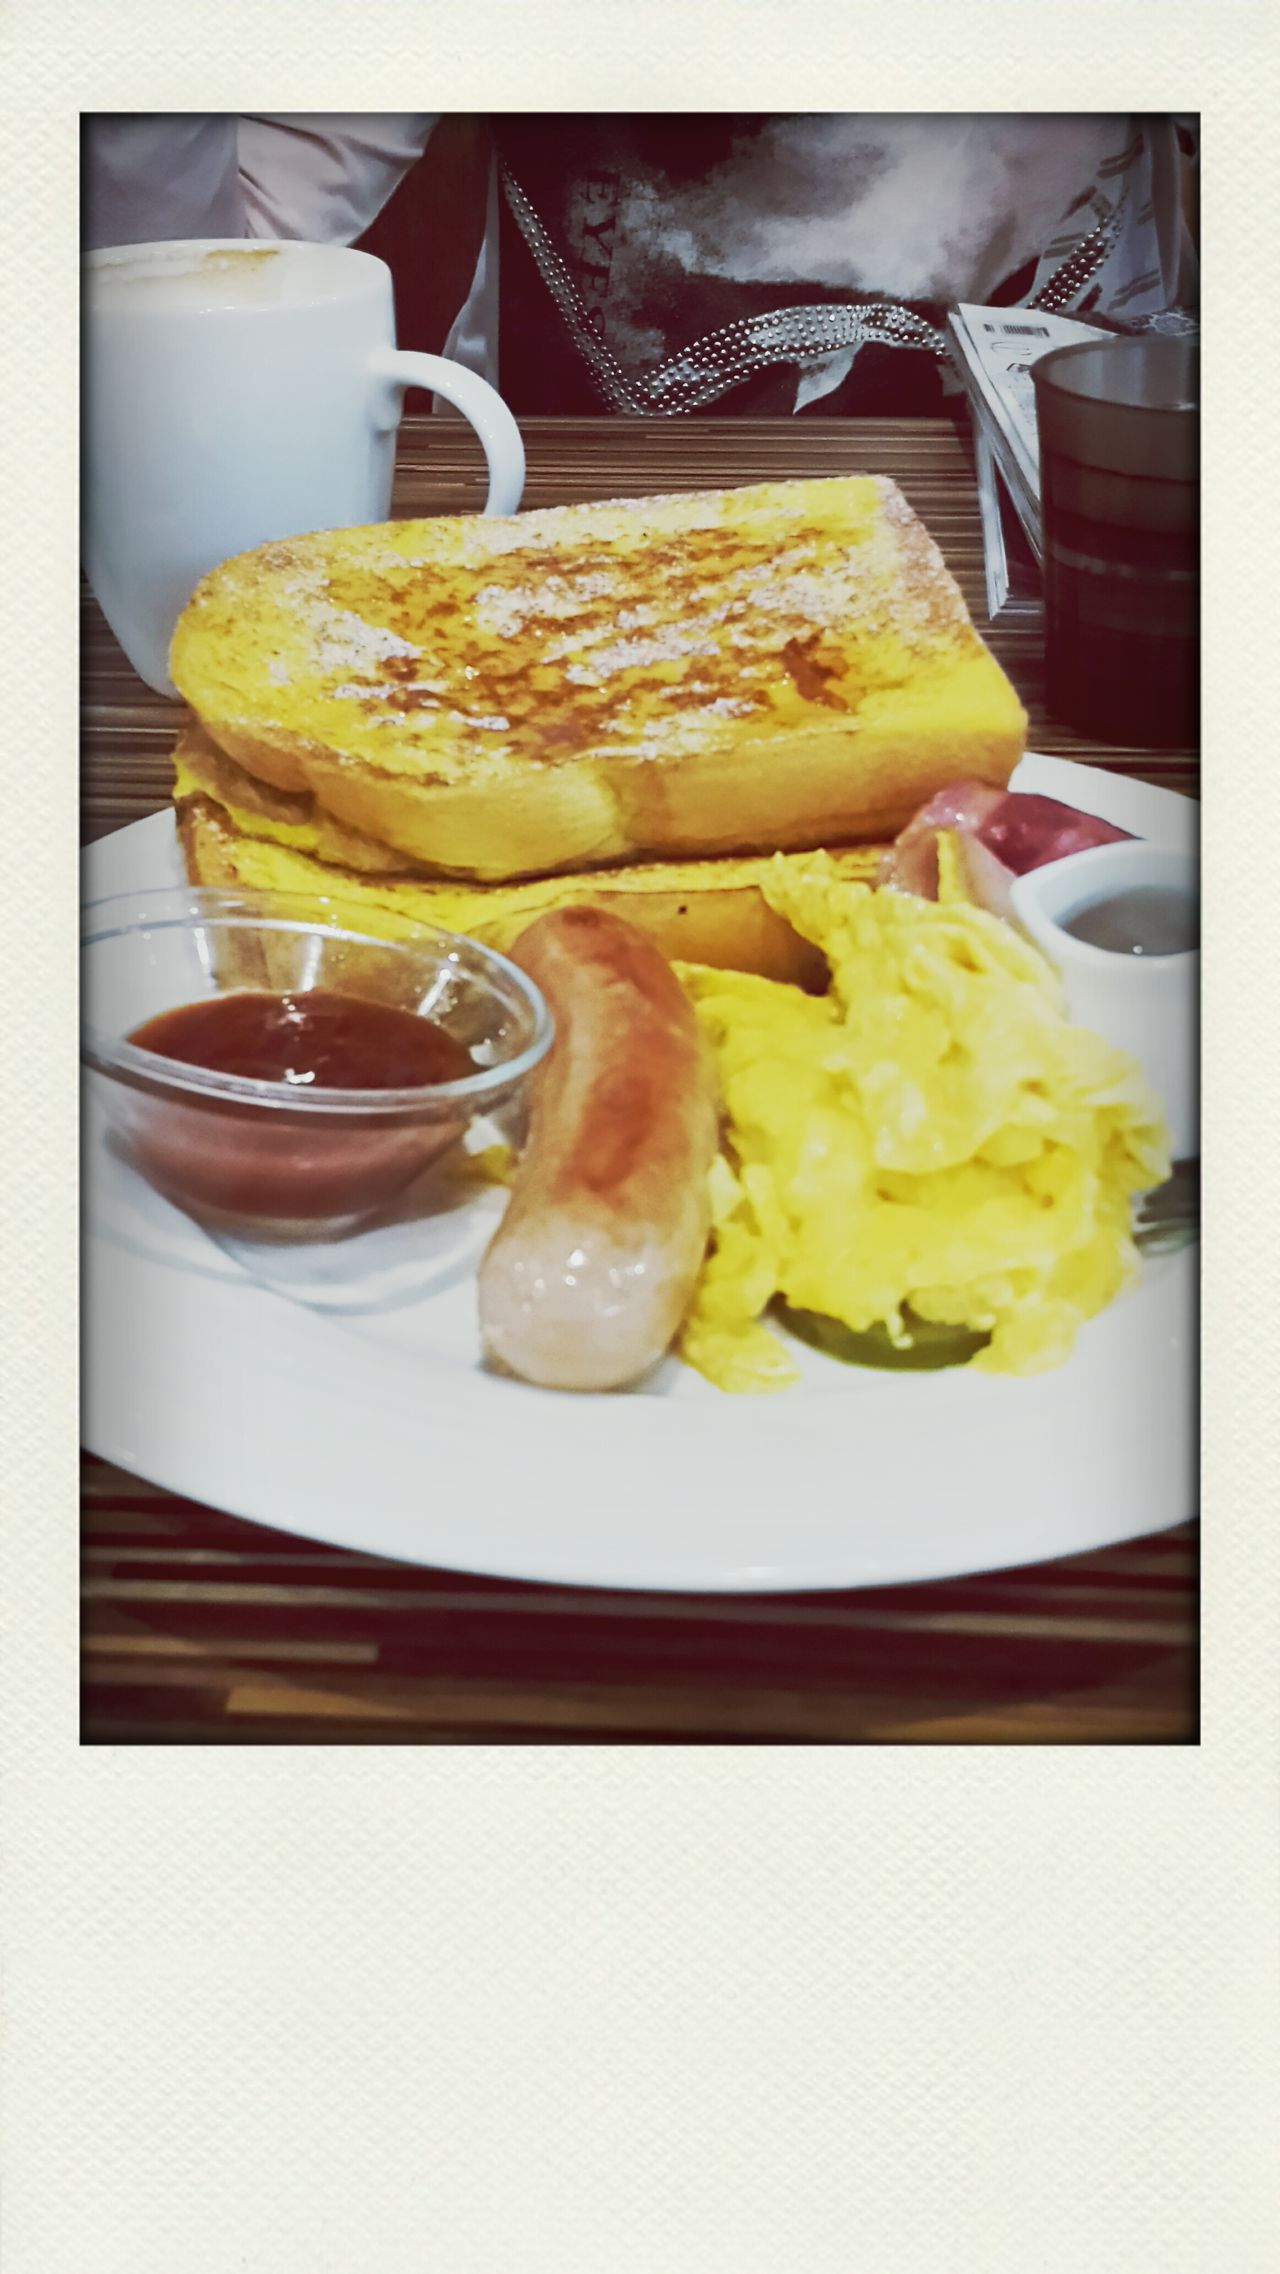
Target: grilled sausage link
(592, 1268)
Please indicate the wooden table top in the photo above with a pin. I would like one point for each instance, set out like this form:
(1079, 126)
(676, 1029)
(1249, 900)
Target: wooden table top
(200, 1628)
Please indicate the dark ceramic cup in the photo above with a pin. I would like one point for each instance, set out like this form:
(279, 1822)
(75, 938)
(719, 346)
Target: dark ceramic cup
(1119, 427)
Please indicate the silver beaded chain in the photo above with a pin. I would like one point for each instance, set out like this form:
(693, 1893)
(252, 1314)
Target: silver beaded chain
(699, 374)
(1082, 264)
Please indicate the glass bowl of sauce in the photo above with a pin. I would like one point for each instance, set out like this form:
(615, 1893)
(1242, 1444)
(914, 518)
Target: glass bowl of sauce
(272, 1067)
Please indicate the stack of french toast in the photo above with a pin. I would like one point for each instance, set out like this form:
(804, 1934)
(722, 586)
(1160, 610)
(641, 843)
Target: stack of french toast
(632, 705)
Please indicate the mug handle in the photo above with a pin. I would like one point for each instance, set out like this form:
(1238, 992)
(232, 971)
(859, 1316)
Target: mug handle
(478, 402)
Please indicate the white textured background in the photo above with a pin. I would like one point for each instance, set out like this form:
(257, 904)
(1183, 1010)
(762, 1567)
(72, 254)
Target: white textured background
(747, 2012)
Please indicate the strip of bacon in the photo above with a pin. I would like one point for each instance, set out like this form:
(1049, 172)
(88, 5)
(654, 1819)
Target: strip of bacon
(1001, 833)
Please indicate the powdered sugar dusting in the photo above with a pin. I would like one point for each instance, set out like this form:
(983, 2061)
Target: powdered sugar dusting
(506, 609)
(636, 654)
(635, 627)
(344, 641)
(808, 598)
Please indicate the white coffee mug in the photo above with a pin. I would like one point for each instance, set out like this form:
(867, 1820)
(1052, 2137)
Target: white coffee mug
(238, 390)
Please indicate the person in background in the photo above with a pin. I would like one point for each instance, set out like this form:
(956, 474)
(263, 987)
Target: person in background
(694, 262)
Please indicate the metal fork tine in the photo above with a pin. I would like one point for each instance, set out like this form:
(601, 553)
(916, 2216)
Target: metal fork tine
(1169, 1215)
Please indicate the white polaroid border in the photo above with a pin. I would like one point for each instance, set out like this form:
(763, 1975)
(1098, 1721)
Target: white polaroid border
(730, 2011)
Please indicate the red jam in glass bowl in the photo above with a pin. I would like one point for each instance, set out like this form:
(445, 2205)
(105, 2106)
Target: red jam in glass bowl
(283, 1072)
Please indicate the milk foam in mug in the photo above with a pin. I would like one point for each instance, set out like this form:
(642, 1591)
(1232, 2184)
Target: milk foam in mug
(237, 391)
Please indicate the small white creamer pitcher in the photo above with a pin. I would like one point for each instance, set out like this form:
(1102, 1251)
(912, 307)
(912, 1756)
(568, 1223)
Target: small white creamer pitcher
(1143, 998)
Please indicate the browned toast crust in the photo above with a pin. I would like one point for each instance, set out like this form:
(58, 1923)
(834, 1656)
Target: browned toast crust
(777, 667)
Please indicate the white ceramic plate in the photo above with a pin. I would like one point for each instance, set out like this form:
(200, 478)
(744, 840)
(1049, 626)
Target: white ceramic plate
(336, 1391)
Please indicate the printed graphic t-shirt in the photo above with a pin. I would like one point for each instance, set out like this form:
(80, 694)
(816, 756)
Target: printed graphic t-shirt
(722, 263)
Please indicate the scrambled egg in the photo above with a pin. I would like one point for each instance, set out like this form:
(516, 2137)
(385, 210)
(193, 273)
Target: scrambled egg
(930, 1137)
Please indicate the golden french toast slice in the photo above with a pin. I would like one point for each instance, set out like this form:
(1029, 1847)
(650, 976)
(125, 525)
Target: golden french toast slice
(289, 817)
(709, 912)
(723, 671)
